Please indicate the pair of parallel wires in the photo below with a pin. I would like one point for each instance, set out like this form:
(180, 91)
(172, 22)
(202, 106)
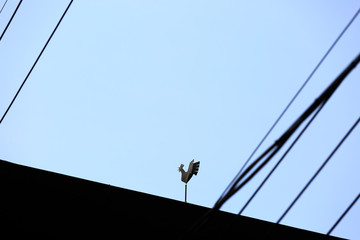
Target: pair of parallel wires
(37, 59)
(8, 24)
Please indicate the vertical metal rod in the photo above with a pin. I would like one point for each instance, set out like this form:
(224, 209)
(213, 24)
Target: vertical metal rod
(185, 191)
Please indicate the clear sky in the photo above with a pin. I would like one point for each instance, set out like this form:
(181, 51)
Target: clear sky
(126, 91)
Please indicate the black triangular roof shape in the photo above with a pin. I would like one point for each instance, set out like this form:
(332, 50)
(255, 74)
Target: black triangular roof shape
(49, 205)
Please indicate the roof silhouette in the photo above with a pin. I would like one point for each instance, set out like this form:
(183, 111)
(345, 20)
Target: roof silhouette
(45, 204)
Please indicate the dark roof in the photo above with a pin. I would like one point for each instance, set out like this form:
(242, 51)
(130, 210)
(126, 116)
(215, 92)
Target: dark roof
(50, 205)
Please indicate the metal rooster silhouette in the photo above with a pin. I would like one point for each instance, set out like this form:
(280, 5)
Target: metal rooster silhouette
(193, 169)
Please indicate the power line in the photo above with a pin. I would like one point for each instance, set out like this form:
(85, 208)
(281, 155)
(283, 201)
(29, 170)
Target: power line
(306, 81)
(292, 100)
(10, 19)
(280, 160)
(277, 164)
(318, 171)
(27, 76)
(3, 6)
(276, 146)
(343, 215)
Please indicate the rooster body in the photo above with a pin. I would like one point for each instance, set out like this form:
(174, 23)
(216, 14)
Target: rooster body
(192, 170)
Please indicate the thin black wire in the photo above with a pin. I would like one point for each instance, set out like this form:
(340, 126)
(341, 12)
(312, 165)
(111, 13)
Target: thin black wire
(321, 99)
(280, 160)
(343, 215)
(3, 6)
(10, 19)
(292, 100)
(281, 141)
(306, 81)
(319, 170)
(275, 147)
(27, 76)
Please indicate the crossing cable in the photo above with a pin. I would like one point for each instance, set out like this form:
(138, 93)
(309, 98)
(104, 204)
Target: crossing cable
(27, 76)
(10, 19)
(265, 157)
(275, 147)
(343, 215)
(318, 171)
(280, 160)
(291, 101)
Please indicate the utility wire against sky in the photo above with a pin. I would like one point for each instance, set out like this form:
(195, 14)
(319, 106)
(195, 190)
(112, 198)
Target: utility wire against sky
(306, 81)
(3, 6)
(289, 104)
(8, 24)
(275, 147)
(343, 215)
(282, 158)
(252, 170)
(27, 76)
(318, 171)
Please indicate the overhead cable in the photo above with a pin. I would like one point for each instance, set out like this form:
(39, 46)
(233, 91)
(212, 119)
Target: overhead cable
(275, 147)
(27, 76)
(343, 215)
(280, 160)
(318, 171)
(267, 155)
(3, 6)
(8, 24)
(292, 100)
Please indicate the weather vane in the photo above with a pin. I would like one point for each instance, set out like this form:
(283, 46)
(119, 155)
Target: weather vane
(186, 176)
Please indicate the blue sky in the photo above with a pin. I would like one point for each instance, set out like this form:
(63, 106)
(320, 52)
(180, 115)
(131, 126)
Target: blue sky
(126, 91)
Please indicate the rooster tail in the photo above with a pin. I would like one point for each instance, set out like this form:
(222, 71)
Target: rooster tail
(195, 169)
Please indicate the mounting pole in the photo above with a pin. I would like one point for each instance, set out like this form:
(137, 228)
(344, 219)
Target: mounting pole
(185, 191)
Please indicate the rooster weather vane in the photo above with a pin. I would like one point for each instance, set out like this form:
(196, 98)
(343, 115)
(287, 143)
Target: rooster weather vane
(186, 176)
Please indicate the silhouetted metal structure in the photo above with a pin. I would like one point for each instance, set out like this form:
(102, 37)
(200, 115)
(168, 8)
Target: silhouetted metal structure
(193, 169)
